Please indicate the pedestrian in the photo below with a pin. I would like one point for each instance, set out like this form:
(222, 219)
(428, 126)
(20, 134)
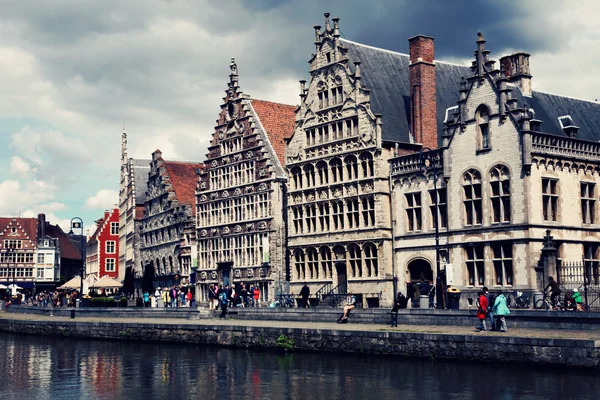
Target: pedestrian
(555, 290)
(350, 305)
(490, 301)
(410, 293)
(482, 311)
(256, 294)
(153, 300)
(399, 303)
(500, 310)
(223, 300)
(304, 294)
(146, 299)
(166, 297)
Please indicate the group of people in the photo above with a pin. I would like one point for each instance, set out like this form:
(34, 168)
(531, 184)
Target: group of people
(172, 297)
(414, 291)
(493, 307)
(238, 295)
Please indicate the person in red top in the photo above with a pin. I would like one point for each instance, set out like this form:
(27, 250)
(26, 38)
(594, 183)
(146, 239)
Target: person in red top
(188, 297)
(482, 311)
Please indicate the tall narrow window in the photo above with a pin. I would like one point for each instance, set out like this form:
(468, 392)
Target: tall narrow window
(324, 217)
(299, 263)
(503, 263)
(588, 202)
(338, 214)
(550, 199)
(368, 211)
(311, 218)
(298, 214)
(351, 167)
(313, 263)
(336, 170)
(500, 194)
(353, 213)
(366, 163)
(591, 260)
(355, 259)
(297, 177)
(442, 208)
(475, 265)
(326, 264)
(309, 173)
(483, 129)
(371, 261)
(323, 172)
(413, 211)
(472, 197)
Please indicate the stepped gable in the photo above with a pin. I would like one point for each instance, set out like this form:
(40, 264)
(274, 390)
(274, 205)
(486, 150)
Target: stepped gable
(386, 73)
(29, 226)
(140, 176)
(184, 178)
(278, 120)
(67, 249)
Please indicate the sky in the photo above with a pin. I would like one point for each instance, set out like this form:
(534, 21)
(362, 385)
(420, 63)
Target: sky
(74, 73)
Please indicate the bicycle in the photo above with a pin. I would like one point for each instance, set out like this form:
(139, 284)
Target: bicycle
(517, 299)
(546, 304)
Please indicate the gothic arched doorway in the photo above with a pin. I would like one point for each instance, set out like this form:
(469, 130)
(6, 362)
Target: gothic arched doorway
(420, 269)
(148, 279)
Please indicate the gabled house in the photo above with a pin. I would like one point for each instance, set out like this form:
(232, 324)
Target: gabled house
(102, 253)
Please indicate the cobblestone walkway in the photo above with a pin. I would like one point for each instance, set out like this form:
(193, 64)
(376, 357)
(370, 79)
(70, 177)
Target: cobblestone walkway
(433, 329)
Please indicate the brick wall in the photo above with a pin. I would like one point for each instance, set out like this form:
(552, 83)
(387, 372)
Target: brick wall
(422, 86)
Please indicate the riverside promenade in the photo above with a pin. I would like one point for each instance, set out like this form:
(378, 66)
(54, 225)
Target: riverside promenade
(579, 347)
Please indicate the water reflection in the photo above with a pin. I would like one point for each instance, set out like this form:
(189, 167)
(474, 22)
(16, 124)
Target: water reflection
(38, 367)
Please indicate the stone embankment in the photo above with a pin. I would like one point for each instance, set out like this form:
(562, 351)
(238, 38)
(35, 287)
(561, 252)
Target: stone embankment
(568, 348)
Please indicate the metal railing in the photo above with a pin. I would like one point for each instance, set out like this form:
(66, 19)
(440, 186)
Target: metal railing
(583, 276)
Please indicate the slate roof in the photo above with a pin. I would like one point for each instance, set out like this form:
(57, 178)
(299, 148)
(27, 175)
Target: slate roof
(184, 179)
(67, 249)
(278, 120)
(386, 73)
(140, 177)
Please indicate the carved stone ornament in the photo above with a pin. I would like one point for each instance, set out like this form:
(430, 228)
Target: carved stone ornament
(262, 186)
(225, 194)
(225, 160)
(351, 190)
(203, 232)
(214, 195)
(249, 226)
(262, 173)
(203, 275)
(310, 197)
(202, 185)
(214, 163)
(297, 199)
(337, 192)
(221, 135)
(225, 230)
(367, 187)
(262, 272)
(203, 197)
(237, 273)
(262, 225)
(249, 154)
(213, 274)
(250, 273)
(215, 231)
(367, 136)
(237, 192)
(237, 229)
(250, 189)
(237, 157)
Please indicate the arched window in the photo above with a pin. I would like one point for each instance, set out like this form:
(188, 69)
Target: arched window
(371, 262)
(500, 196)
(323, 171)
(351, 167)
(336, 170)
(354, 255)
(472, 197)
(338, 214)
(171, 263)
(482, 116)
(165, 265)
(299, 263)
(297, 177)
(326, 264)
(366, 163)
(323, 94)
(309, 173)
(313, 263)
(158, 270)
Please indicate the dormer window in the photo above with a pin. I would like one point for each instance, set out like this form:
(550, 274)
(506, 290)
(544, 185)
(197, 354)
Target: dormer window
(328, 55)
(482, 117)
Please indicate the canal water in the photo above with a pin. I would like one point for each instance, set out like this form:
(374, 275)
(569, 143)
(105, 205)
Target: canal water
(62, 368)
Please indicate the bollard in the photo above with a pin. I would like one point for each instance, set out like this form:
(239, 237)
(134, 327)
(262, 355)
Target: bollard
(72, 314)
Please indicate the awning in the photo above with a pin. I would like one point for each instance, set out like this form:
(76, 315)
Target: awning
(24, 285)
(106, 283)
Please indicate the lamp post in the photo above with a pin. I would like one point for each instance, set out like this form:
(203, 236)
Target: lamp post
(426, 158)
(77, 223)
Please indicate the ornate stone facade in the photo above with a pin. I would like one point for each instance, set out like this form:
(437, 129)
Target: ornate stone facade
(167, 228)
(510, 167)
(338, 193)
(240, 227)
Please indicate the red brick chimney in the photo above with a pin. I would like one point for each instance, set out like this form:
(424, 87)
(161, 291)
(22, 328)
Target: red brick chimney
(423, 122)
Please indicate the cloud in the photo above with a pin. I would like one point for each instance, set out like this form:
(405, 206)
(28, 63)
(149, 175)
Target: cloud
(105, 199)
(17, 197)
(18, 166)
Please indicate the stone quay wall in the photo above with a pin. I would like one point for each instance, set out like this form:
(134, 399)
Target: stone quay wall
(556, 352)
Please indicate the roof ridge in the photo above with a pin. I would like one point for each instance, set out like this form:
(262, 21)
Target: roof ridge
(183, 162)
(568, 97)
(397, 52)
(274, 102)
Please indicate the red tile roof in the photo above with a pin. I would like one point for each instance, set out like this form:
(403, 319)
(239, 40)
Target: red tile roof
(29, 225)
(67, 249)
(184, 179)
(278, 120)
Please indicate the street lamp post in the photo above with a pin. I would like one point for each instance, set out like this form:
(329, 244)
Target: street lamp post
(77, 223)
(427, 161)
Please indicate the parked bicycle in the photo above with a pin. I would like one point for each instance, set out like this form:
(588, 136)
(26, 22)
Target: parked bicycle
(517, 299)
(285, 301)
